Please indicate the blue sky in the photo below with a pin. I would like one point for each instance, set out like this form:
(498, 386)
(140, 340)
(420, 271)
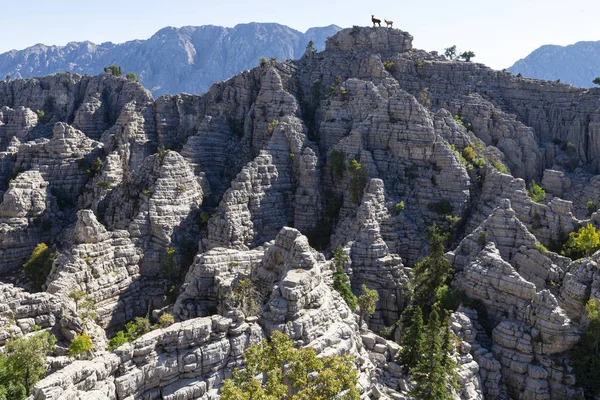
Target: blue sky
(499, 32)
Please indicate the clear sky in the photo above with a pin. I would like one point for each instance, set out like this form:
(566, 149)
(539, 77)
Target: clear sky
(499, 32)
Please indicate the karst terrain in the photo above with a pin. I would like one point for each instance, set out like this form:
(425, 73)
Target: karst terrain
(362, 146)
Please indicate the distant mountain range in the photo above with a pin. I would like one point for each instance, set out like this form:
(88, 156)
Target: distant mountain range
(577, 64)
(173, 60)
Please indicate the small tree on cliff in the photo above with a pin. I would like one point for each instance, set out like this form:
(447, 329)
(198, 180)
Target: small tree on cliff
(430, 273)
(413, 341)
(467, 55)
(341, 283)
(367, 302)
(281, 366)
(596, 81)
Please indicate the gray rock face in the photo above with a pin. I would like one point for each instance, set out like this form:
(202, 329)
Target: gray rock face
(173, 60)
(363, 145)
(572, 64)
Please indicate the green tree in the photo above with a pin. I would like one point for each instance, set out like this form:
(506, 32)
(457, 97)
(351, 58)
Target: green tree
(341, 283)
(430, 374)
(247, 297)
(80, 345)
(450, 53)
(596, 80)
(113, 69)
(9, 76)
(25, 361)
(582, 243)
(39, 265)
(430, 273)
(118, 340)
(367, 302)
(132, 77)
(283, 366)
(413, 340)
(536, 192)
(165, 320)
(467, 55)
(585, 356)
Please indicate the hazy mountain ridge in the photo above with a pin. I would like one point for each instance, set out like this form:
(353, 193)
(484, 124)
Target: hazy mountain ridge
(174, 60)
(577, 64)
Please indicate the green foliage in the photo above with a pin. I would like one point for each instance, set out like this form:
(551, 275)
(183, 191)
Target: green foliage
(585, 356)
(367, 301)
(113, 69)
(482, 239)
(336, 164)
(425, 97)
(169, 267)
(106, 185)
(310, 44)
(8, 77)
(435, 372)
(272, 125)
(39, 265)
(433, 271)
(413, 341)
(84, 306)
(341, 283)
(118, 340)
(41, 114)
(246, 297)
(138, 327)
(165, 320)
(91, 170)
(420, 64)
(464, 123)
(467, 55)
(499, 166)
(591, 207)
(479, 162)
(262, 61)
(536, 192)
(23, 364)
(442, 207)
(358, 180)
(540, 247)
(450, 53)
(582, 243)
(519, 75)
(80, 345)
(389, 65)
(147, 192)
(596, 80)
(291, 374)
(398, 208)
(132, 77)
(469, 153)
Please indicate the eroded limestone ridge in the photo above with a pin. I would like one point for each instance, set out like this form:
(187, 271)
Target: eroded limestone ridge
(166, 205)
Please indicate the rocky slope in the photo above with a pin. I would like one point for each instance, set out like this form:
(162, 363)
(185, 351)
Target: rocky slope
(173, 60)
(575, 64)
(167, 204)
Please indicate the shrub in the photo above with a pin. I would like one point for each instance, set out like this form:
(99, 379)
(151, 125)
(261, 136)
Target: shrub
(582, 243)
(289, 370)
(41, 114)
(262, 61)
(596, 80)
(8, 77)
(80, 345)
(118, 340)
(425, 97)
(469, 153)
(104, 184)
(165, 320)
(519, 75)
(467, 55)
(536, 192)
(336, 164)
(540, 247)
(113, 69)
(341, 283)
(367, 301)
(91, 171)
(468, 126)
(358, 180)
(499, 166)
(138, 327)
(389, 65)
(24, 363)
(246, 297)
(420, 64)
(132, 77)
(479, 162)
(39, 265)
(442, 207)
(271, 127)
(450, 53)
(398, 208)
(591, 207)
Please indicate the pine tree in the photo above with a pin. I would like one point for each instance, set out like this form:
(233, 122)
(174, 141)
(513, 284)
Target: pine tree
(412, 350)
(448, 348)
(430, 375)
(431, 272)
(367, 302)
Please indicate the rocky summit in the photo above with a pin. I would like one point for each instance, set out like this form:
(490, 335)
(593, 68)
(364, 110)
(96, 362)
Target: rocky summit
(170, 206)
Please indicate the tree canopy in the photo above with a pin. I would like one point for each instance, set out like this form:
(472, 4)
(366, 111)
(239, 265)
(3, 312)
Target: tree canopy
(582, 243)
(283, 368)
